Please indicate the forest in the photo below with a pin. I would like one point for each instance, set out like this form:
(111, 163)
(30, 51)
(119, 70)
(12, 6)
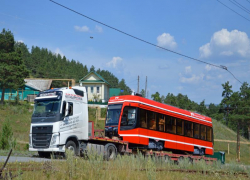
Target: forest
(42, 63)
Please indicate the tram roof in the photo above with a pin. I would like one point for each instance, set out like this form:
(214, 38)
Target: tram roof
(158, 105)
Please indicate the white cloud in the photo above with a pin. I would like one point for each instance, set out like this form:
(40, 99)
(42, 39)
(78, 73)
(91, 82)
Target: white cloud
(191, 80)
(226, 43)
(58, 51)
(166, 40)
(188, 69)
(98, 29)
(82, 29)
(114, 62)
(20, 41)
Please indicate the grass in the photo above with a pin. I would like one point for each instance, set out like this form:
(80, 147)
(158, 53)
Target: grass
(124, 167)
(223, 132)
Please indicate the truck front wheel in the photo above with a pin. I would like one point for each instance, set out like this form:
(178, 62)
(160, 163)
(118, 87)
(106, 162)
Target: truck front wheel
(70, 145)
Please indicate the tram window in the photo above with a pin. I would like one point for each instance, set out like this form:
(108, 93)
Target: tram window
(143, 118)
(161, 125)
(151, 116)
(128, 116)
(188, 129)
(179, 127)
(209, 133)
(170, 123)
(196, 131)
(203, 132)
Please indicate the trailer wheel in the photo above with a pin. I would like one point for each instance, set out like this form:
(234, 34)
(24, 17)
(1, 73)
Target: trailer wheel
(166, 159)
(70, 145)
(110, 152)
(180, 160)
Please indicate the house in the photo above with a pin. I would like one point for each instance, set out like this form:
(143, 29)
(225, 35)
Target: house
(32, 88)
(97, 87)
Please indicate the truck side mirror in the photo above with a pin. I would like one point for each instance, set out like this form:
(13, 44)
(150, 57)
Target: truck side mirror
(67, 109)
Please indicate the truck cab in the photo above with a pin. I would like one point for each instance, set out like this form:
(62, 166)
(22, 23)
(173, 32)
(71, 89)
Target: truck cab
(59, 121)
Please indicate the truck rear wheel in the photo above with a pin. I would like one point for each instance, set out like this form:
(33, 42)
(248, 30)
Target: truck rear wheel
(70, 145)
(110, 152)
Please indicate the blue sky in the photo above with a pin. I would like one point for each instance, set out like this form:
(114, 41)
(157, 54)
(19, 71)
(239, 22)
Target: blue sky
(202, 29)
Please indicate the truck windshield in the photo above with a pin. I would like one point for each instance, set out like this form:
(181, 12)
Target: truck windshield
(113, 114)
(46, 108)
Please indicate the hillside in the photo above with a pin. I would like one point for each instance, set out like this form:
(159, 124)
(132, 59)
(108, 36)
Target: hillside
(20, 116)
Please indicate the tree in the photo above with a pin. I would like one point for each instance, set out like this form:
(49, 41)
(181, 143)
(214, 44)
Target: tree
(124, 87)
(226, 94)
(156, 97)
(12, 68)
(143, 93)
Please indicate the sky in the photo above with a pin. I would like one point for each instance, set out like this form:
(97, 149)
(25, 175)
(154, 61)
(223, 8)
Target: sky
(201, 29)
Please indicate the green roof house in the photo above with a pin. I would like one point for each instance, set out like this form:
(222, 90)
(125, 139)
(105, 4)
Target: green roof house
(97, 87)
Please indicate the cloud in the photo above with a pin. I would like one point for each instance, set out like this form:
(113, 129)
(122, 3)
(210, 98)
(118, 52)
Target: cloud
(98, 29)
(226, 43)
(188, 69)
(191, 80)
(114, 62)
(20, 41)
(82, 29)
(166, 40)
(58, 51)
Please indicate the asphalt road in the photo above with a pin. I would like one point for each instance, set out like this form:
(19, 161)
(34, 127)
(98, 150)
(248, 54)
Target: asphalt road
(22, 159)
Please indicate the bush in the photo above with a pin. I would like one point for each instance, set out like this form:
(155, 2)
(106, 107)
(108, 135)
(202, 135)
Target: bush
(7, 140)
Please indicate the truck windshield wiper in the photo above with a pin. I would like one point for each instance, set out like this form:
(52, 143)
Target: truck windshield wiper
(37, 114)
(50, 114)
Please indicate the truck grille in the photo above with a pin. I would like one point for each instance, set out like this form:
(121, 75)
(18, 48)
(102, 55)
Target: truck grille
(41, 136)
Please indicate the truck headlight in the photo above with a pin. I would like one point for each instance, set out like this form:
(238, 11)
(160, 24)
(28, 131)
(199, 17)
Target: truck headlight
(54, 139)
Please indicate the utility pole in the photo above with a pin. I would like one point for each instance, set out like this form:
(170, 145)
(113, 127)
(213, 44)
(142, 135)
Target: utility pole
(138, 87)
(145, 88)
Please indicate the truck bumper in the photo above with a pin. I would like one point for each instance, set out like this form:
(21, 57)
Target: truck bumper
(50, 149)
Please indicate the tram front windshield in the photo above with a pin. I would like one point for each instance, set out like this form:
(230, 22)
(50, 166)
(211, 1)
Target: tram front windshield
(113, 114)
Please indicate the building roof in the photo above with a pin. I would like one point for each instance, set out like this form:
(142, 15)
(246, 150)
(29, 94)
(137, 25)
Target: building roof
(93, 81)
(38, 84)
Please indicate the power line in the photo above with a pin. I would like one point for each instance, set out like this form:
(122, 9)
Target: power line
(234, 11)
(142, 40)
(240, 6)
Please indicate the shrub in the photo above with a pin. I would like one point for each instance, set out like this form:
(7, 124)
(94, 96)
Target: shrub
(7, 140)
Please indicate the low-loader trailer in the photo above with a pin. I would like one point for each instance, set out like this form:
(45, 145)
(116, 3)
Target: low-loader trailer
(60, 121)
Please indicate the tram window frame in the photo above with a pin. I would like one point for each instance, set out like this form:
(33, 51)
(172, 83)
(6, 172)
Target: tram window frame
(126, 112)
(161, 124)
(209, 132)
(196, 135)
(171, 126)
(151, 119)
(203, 133)
(179, 127)
(188, 129)
(140, 120)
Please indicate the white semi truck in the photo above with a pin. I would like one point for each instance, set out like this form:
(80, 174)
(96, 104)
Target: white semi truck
(59, 121)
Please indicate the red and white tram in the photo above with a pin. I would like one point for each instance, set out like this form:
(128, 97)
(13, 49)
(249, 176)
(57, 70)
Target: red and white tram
(147, 124)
